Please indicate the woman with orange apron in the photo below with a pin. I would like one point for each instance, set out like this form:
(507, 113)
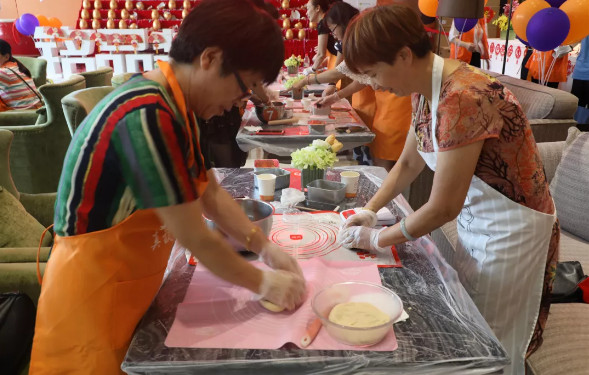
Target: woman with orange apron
(544, 67)
(134, 180)
(470, 46)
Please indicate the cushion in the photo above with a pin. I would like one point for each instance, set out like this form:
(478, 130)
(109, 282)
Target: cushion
(570, 188)
(574, 248)
(17, 227)
(564, 350)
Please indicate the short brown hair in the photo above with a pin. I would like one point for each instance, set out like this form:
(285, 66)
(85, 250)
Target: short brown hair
(378, 34)
(248, 36)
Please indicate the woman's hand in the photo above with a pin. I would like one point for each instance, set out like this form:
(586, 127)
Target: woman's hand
(274, 257)
(282, 288)
(299, 85)
(361, 238)
(329, 90)
(364, 218)
(328, 100)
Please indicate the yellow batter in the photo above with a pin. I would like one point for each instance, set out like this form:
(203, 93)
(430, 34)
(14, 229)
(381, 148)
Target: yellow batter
(358, 314)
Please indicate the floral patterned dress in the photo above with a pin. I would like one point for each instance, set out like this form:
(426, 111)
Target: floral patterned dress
(473, 107)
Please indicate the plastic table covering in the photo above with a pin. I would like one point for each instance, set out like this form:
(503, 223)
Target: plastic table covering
(445, 333)
(284, 145)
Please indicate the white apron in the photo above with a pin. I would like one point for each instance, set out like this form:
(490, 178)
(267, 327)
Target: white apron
(501, 254)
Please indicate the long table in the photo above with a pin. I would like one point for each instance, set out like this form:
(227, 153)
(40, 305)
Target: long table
(297, 136)
(445, 333)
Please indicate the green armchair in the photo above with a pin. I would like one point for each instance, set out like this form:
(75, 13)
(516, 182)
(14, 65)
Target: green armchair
(23, 218)
(38, 151)
(38, 68)
(78, 104)
(100, 77)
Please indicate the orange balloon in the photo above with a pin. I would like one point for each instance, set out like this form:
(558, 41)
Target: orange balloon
(43, 21)
(428, 7)
(522, 16)
(54, 22)
(577, 10)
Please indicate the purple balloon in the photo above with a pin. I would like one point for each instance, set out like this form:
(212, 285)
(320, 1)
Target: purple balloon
(555, 3)
(465, 24)
(547, 29)
(28, 22)
(18, 26)
(523, 41)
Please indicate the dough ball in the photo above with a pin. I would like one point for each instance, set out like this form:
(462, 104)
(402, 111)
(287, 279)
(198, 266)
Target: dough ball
(358, 314)
(271, 306)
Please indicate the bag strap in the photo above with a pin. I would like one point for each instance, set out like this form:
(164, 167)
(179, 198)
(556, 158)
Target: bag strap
(29, 86)
(39, 277)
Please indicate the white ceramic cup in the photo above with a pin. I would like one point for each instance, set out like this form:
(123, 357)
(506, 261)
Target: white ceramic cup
(266, 185)
(350, 179)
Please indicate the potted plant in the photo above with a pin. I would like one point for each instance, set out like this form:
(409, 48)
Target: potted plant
(296, 94)
(502, 21)
(292, 64)
(314, 159)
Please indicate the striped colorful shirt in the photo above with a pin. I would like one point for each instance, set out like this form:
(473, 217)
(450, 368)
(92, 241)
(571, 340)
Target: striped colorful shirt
(14, 92)
(131, 152)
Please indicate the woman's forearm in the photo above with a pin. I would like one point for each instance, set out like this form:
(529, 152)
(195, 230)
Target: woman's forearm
(350, 89)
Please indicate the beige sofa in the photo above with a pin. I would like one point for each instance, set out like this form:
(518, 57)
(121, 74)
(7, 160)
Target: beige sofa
(565, 349)
(550, 112)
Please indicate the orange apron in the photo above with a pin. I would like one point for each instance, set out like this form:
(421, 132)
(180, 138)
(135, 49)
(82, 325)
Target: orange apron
(559, 71)
(391, 124)
(468, 37)
(331, 60)
(364, 103)
(98, 285)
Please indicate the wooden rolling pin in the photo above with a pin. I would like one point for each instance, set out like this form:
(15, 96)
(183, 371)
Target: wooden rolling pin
(287, 121)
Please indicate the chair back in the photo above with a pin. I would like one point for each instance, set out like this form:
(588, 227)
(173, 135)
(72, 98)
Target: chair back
(38, 68)
(96, 78)
(120, 79)
(78, 104)
(38, 151)
(6, 182)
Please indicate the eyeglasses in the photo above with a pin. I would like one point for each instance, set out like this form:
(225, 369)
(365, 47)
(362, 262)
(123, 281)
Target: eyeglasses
(246, 93)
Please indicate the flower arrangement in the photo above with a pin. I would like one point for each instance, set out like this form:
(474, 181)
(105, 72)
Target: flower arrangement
(320, 154)
(291, 81)
(502, 21)
(293, 61)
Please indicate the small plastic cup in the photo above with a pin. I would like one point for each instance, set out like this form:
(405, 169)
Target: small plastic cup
(266, 185)
(350, 179)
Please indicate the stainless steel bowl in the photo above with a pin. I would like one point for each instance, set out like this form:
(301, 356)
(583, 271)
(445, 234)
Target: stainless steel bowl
(260, 213)
(282, 177)
(326, 191)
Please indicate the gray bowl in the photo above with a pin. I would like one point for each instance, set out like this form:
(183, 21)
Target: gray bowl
(282, 177)
(326, 191)
(260, 213)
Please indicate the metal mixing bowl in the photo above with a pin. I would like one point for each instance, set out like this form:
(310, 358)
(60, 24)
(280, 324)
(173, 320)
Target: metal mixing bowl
(260, 213)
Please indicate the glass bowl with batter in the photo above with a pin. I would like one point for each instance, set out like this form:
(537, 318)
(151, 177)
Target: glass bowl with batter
(357, 313)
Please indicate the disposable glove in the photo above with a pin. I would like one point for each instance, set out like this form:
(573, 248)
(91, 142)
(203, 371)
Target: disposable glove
(308, 71)
(364, 218)
(277, 259)
(328, 100)
(361, 238)
(282, 288)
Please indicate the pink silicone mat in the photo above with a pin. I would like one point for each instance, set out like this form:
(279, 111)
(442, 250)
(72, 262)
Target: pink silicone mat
(216, 314)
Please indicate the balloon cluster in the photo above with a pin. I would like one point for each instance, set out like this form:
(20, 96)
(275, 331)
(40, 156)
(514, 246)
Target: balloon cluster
(545, 25)
(27, 23)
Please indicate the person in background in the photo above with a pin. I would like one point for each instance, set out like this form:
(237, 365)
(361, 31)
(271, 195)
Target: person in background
(554, 63)
(134, 181)
(581, 85)
(470, 46)
(316, 10)
(488, 175)
(17, 89)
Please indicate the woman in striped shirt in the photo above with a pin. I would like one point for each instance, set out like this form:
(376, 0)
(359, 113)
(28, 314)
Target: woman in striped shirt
(17, 89)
